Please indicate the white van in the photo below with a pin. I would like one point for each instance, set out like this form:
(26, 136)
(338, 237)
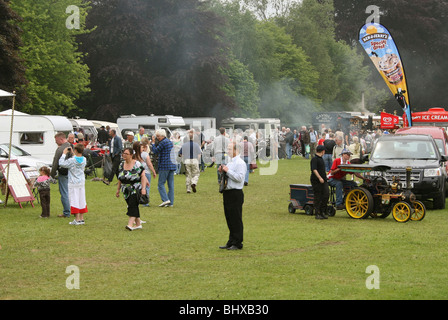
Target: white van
(34, 134)
(150, 123)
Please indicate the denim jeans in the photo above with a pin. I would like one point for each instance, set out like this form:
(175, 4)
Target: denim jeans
(63, 190)
(328, 160)
(148, 177)
(288, 151)
(340, 185)
(166, 176)
(246, 178)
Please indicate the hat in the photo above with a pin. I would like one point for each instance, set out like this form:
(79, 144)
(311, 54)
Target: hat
(130, 133)
(346, 151)
(320, 148)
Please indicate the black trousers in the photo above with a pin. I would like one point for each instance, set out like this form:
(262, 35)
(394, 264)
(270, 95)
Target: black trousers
(45, 202)
(133, 210)
(115, 164)
(321, 195)
(233, 209)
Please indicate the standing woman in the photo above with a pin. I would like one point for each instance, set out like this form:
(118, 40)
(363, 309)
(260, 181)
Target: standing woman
(141, 153)
(131, 177)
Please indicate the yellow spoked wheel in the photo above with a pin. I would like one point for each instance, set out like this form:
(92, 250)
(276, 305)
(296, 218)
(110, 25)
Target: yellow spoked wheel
(402, 211)
(419, 211)
(359, 203)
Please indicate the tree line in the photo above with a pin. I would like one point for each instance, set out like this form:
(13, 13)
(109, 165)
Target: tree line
(270, 58)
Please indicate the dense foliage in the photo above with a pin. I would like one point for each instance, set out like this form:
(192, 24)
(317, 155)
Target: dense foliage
(270, 58)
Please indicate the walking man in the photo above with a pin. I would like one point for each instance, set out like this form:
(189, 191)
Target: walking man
(167, 166)
(116, 147)
(191, 155)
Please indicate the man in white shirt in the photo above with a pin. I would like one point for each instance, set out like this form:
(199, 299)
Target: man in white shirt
(233, 197)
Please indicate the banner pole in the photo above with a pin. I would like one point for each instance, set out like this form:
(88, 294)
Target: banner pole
(10, 142)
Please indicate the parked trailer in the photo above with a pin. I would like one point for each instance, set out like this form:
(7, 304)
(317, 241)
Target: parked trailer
(34, 133)
(87, 126)
(150, 123)
(206, 125)
(112, 125)
(267, 126)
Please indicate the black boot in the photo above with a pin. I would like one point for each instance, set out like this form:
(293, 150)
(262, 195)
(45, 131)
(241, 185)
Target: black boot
(318, 215)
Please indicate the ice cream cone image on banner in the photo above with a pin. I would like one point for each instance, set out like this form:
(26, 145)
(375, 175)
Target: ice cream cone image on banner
(380, 47)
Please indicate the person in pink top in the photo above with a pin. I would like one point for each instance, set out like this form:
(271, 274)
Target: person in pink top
(43, 186)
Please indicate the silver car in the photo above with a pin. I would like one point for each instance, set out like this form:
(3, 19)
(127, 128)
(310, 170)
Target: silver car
(24, 158)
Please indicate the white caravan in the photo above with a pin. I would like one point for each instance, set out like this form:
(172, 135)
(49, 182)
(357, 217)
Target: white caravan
(34, 134)
(150, 123)
(266, 126)
(112, 125)
(87, 126)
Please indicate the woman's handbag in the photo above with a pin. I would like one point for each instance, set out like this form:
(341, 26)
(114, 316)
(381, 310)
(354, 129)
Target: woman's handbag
(142, 198)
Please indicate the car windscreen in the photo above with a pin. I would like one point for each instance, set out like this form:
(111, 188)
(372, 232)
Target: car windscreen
(16, 151)
(389, 149)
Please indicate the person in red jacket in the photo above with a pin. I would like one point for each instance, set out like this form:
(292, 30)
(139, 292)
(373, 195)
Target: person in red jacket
(336, 177)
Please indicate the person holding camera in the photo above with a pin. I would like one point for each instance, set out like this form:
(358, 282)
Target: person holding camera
(233, 196)
(75, 162)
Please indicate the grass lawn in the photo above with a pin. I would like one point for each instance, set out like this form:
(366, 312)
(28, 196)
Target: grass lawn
(176, 255)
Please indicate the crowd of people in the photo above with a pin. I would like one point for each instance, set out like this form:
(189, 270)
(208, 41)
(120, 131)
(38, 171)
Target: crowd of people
(140, 157)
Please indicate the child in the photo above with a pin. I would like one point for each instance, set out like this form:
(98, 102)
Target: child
(43, 186)
(76, 181)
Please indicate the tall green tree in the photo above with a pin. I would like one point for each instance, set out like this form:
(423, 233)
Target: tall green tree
(281, 69)
(311, 25)
(243, 88)
(160, 57)
(56, 73)
(12, 69)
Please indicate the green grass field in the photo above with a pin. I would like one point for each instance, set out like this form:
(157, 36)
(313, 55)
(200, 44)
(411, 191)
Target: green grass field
(176, 255)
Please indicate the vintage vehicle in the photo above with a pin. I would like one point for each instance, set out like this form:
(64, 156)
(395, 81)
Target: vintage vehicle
(376, 197)
(302, 198)
(420, 152)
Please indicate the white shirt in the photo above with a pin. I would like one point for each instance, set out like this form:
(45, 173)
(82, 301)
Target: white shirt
(236, 173)
(112, 146)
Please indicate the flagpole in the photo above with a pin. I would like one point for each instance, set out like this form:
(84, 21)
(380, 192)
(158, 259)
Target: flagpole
(10, 139)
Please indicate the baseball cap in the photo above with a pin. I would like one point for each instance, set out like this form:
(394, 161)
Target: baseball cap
(346, 151)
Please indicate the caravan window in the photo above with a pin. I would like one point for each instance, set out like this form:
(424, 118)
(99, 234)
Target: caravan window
(31, 138)
(242, 127)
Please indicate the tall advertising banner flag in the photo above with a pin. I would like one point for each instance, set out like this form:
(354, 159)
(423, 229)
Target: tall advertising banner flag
(380, 47)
